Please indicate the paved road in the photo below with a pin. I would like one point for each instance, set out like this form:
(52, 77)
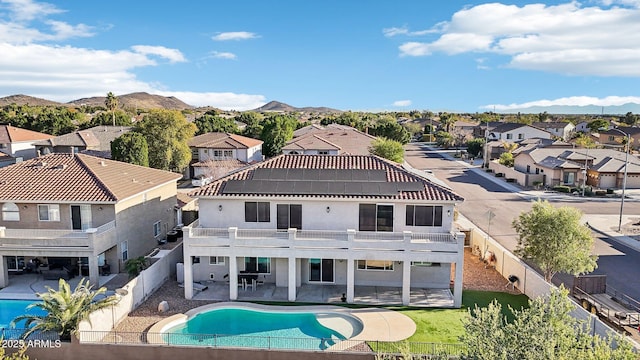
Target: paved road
(482, 195)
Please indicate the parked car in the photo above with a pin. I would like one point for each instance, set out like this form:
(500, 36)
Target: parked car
(201, 181)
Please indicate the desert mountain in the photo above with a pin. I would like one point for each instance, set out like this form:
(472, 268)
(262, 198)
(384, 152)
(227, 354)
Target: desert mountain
(277, 106)
(139, 100)
(27, 100)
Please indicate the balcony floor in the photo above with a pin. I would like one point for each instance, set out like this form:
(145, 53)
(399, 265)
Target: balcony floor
(308, 293)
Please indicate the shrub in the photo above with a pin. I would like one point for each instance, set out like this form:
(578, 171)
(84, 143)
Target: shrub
(609, 191)
(562, 188)
(601, 192)
(489, 170)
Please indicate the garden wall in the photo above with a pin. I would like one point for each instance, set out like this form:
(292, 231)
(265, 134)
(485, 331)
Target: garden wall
(135, 291)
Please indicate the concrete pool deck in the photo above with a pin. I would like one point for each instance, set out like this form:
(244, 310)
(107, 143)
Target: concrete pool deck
(377, 324)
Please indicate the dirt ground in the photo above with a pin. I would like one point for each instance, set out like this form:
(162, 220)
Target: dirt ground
(477, 276)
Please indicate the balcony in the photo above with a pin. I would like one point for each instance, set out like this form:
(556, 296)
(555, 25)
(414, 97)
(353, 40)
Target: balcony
(323, 240)
(100, 238)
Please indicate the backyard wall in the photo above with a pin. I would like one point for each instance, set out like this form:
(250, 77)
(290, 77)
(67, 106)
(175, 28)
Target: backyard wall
(523, 179)
(529, 281)
(135, 291)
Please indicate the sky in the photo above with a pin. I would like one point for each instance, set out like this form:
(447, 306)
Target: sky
(374, 55)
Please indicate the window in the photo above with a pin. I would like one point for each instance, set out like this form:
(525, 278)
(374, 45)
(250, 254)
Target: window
(321, 270)
(228, 153)
(537, 170)
(10, 212)
(509, 136)
(257, 212)
(217, 153)
(375, 217)
(323, 152)
(124, 250)
(520, 136)
(424, 263)
(216, 260)
(156, 229)
(612, 138)
(48, 213)
(259, 265)
(379, 265)
(418, 215)
(569, 178)
(289, 216)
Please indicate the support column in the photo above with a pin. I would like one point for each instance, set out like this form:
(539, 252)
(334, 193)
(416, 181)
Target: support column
(292, 279)
(406, 282)
(457, 281)
(350, 280)
(93, 271)
(188, 277)
(233, 277)
(4, 272)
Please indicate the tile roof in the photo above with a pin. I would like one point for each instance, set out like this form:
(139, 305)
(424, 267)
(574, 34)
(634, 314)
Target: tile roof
(11, 134)
(77, 178)
(343, 138)
(394, 174)
(218, 140)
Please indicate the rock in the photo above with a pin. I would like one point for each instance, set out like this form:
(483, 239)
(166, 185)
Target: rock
(163, 306)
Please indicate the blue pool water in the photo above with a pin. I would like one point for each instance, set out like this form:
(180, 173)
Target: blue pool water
(9, 309)
(233, 327)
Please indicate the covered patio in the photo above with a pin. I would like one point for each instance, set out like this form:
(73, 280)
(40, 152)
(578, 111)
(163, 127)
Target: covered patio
(26, 286)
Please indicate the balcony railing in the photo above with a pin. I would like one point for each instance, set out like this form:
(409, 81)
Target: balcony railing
(58, 237)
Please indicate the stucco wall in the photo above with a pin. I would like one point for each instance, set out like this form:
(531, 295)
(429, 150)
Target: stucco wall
(100, 215)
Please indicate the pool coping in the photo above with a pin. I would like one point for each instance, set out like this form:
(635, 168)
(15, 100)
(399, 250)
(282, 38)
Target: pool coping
(377, 324)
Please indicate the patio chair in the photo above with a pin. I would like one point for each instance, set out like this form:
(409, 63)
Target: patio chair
(242, 282)
(252, 285)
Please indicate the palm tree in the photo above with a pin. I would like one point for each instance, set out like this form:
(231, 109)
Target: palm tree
(112, 103)
(65, 309)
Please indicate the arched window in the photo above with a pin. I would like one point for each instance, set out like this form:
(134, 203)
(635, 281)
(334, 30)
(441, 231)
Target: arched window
(10, 212)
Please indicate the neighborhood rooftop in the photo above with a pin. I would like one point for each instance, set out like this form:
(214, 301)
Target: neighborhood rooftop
(384, 180)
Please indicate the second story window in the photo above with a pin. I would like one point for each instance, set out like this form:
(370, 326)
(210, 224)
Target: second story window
(257, 212)
(289, 216)
(418, 215)
(228, 153)
(374, 217)
(509, 136)
(520, 136)
(49, 212)
(10, 212)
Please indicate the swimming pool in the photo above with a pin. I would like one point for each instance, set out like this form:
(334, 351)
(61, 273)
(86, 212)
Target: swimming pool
(273, 328)
(10, 309)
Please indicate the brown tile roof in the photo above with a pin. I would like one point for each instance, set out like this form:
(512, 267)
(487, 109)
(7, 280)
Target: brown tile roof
(394, 173)
(11, 134)
(77, 178)
(230, 163)
(95, 138)
(344, 138)
(223, 141)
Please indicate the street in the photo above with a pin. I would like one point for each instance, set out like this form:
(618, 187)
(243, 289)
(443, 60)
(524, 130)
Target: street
(484, 196)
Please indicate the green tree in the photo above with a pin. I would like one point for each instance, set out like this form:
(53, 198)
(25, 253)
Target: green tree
(111, 102)
(388, 149)
(65, 309)
(598, 124)
(52, 120)
(506, 159)
(118, 117)
(555, 240)
(211, 123)
(630, 119)
(543, 331)
(131, 148)
(253, 120)
(447, 120)
(475, 146)
(135, 266)
(167, 133)
(276, 131)
(445, 139)
(389, 128)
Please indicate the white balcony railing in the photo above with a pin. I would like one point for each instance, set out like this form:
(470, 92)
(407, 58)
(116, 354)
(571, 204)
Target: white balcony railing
(58, 238)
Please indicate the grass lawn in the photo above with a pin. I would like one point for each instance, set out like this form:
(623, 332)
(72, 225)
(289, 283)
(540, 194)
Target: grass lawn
(445, 325)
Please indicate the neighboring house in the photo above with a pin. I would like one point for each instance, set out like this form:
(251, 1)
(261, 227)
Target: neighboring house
(562, 130)
(76, 211)
(555, 166)
(19, 143)
(96, 141)
(512, 132)
(333, 139)
(314, 220)
(216, 154)
(615, 139)
(583, 127)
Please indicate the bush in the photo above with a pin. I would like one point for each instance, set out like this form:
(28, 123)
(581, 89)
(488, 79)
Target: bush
(601, 192)
(489, 170)
(609, 191)
(562, 188)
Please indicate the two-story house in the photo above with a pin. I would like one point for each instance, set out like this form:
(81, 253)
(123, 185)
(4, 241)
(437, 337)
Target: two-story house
(334, 139)
(19, 143)
(77, 212)
(616, 138)
(215, 154)
(96, 141)
(562, 130)
(347, 220)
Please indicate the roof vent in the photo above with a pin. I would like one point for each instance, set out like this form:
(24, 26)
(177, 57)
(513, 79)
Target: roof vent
(61, 166)
(102, 163)
(41, 164)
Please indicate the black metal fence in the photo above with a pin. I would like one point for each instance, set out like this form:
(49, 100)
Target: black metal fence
(270, 342)
(17, 334)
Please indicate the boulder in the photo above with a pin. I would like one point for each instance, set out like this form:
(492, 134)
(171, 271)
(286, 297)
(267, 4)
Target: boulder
(163, 306)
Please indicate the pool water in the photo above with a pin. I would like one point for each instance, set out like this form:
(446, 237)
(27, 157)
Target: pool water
(233, 327)
(10, 309)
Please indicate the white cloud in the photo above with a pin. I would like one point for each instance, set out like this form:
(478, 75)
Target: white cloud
(223, 55)
(221, 100)
(571, 101)
(26, 10)
(235, 35)
(172, 55)
(567, 38)
(395, 31)
(401, 103)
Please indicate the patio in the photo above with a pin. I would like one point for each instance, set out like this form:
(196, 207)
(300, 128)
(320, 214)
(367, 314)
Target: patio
(25, 286)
